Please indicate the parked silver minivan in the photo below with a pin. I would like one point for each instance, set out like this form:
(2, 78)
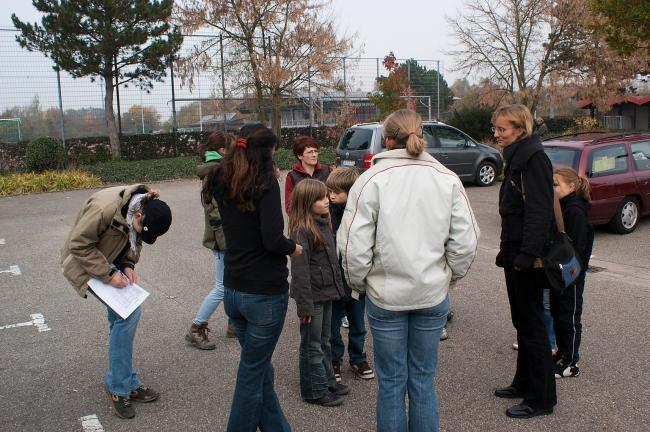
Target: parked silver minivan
(471, 161)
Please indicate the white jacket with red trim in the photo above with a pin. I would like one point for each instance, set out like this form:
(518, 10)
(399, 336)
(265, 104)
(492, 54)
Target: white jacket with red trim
(407, 231)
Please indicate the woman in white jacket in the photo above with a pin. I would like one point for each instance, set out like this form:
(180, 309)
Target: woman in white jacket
(407, 232)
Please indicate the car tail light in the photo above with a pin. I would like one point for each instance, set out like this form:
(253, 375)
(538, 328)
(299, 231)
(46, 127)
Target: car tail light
(366, 161)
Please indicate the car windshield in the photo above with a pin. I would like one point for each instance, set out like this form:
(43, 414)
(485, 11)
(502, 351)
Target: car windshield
(356, 139)
(563, 157)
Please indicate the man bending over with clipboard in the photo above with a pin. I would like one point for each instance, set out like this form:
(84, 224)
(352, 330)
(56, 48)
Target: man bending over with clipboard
(105, 244)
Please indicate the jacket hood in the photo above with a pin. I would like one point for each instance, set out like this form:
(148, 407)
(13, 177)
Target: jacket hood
(402, 154)
(298, 167)
(573, 200)
(517, 154)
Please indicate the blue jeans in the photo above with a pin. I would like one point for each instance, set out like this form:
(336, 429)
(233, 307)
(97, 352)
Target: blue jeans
(355, 311)
(406, 355)
(214, 298)
(258, 321)
(316, 372)
(121, 378)
(548, 319)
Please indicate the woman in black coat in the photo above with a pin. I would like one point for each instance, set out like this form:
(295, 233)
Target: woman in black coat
(526, 209)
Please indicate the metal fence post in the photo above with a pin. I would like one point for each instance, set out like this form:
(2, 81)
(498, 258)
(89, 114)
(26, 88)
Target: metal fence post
(58, 84)
(117, 93)
(438, 89)
(171, 69)
(223, 82)
(345, 82)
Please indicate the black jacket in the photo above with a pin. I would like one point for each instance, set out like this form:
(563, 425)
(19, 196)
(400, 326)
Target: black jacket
(576, 223)
(256, 258)
(336, 213)
(526, 222)
(315, 274)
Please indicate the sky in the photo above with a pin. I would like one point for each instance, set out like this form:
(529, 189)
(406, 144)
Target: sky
(410, 28)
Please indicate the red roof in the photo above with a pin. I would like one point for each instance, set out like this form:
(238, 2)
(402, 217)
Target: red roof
(636, 100)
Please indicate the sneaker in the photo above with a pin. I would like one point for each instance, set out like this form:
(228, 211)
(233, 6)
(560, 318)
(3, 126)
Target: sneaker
(144, 394)
(563, 370)
(450, 315)
(230, 331)
(345, 323)
(122, 406)
(444, 335)
(515, 346)
(329, 400)
(197, 336)
(339, 389)
(362, 370)
(337, 371)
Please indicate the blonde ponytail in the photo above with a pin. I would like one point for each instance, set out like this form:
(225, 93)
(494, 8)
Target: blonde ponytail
(404, 126)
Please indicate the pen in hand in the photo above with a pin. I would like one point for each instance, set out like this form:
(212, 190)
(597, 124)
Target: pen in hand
(119, 279)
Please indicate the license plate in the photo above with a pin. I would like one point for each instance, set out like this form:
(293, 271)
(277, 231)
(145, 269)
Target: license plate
(347, 163)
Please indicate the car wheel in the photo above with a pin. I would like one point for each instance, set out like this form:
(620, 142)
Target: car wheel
(627, 216)
(486, 173)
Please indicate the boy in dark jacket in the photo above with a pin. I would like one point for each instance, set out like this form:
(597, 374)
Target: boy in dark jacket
(339, 183)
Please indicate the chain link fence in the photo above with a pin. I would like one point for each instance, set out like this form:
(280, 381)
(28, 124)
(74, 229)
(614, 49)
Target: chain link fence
(37, 101)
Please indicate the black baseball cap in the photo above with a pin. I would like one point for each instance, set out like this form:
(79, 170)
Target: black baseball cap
(157, 219)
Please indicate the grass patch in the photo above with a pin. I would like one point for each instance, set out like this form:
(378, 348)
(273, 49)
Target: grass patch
(48, 181)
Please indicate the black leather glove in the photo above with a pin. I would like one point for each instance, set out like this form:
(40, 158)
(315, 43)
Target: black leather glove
(523, 262)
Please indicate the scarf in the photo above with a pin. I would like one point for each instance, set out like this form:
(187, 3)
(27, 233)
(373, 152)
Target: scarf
(134, 205)
(211, 155)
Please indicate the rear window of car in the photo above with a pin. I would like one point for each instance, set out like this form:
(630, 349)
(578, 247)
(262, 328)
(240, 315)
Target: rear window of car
(563, 157)
(356, 139)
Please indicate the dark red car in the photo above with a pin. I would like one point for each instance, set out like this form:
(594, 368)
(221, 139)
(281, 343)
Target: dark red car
(618, 169)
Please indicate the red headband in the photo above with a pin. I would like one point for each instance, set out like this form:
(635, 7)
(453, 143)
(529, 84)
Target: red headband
(242, 143)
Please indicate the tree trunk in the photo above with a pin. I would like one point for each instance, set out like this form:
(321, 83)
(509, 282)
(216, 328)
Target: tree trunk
(113, 136)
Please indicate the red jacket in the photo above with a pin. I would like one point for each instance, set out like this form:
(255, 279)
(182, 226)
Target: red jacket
(298, 173)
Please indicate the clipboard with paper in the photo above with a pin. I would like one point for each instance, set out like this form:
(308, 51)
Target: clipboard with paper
(123, 301)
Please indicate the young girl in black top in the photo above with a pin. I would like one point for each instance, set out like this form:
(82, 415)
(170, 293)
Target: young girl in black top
(566, 307)
(315, 282)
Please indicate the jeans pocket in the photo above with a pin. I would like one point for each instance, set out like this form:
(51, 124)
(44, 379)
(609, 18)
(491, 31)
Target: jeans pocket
(264, 310)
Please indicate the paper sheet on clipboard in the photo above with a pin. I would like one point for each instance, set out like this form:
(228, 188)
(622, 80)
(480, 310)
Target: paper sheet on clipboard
(123, 301)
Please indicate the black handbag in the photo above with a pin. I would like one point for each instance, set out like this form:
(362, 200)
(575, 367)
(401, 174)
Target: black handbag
(561, 263)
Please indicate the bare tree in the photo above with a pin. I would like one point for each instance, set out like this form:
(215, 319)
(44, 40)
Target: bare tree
(531, 47)
(510, 42)
(278, 46)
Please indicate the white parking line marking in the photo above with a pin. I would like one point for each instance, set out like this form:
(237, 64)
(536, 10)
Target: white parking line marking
(37, 321)
(14, 270)
(2, 241)
(91, 423)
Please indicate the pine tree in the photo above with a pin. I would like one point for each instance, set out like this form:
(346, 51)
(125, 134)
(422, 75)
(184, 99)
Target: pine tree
(123, 41)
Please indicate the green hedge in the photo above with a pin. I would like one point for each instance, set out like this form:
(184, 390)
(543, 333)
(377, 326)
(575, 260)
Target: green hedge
(121, 171)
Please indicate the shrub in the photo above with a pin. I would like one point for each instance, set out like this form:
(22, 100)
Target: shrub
(17, 184)
(45, 154)
(475, 121)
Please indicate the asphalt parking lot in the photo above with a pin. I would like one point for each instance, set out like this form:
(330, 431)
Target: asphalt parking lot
(53, 343)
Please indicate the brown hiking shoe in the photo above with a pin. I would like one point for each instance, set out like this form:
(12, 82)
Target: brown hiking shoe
(230, 331)
(197, 336)
(122, 406)
(144, 394)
